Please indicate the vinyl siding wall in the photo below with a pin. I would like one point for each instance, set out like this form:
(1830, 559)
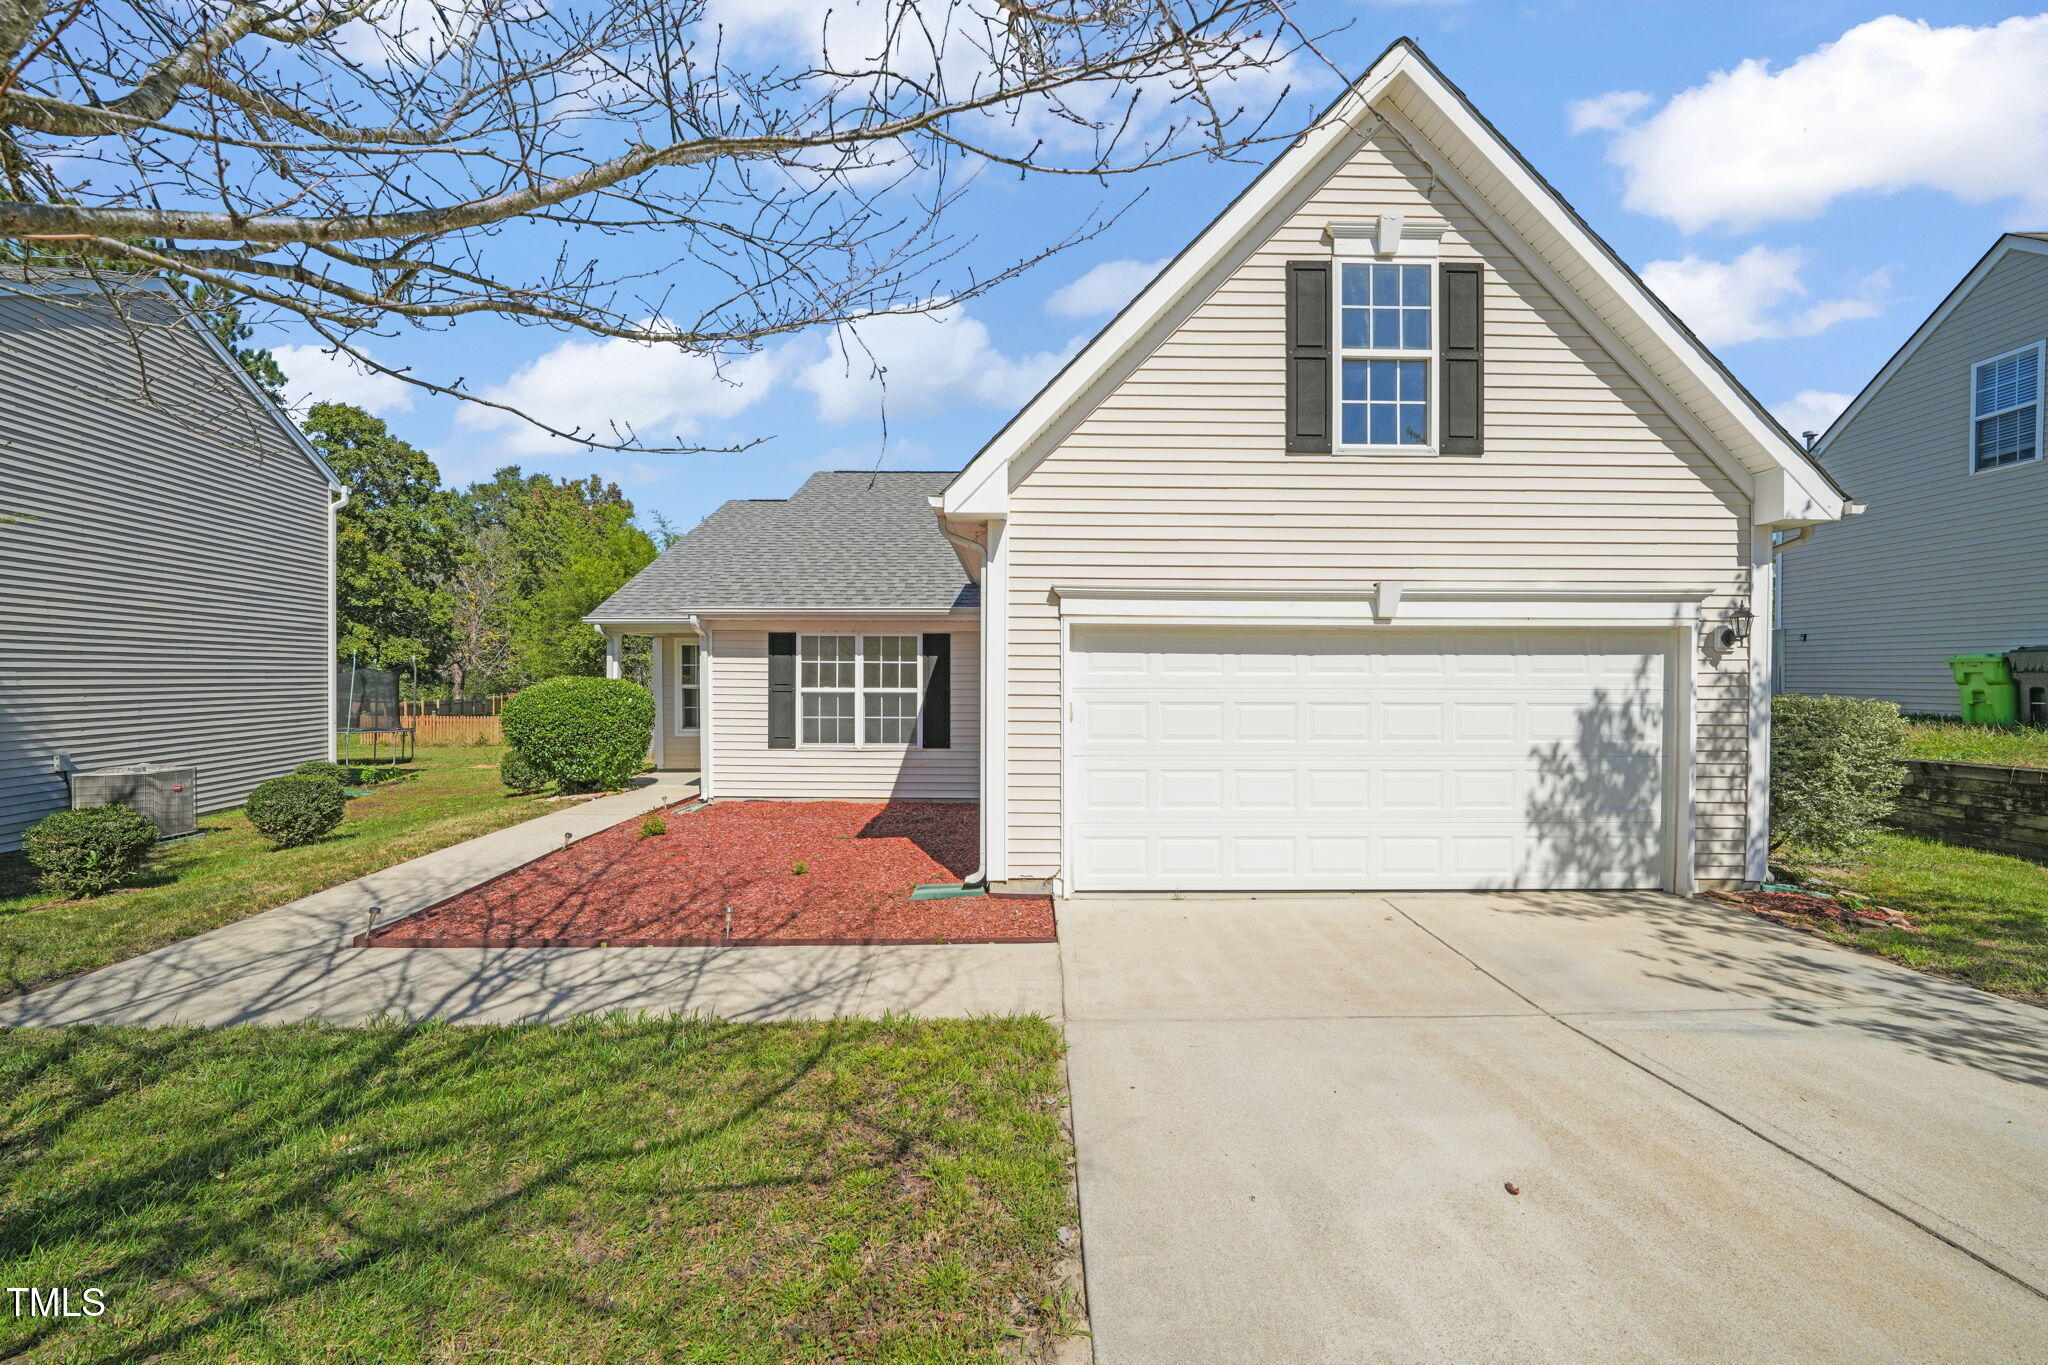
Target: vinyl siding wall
(672, 752)
(164, 592)
(1179, 476)
(1946, 561)
(742, 764)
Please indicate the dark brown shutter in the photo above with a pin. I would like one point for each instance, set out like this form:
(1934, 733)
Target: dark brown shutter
(938, 691)
(782, 689)
(1461, 346)
(1308, 357)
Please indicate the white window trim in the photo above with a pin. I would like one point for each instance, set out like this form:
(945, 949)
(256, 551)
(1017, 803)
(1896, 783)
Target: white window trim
(2040, 354)
(695, 685)
(1389, 239)
(860, 689)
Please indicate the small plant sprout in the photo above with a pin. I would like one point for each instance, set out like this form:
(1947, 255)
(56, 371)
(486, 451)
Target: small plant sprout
(653, 825)
(799, 867)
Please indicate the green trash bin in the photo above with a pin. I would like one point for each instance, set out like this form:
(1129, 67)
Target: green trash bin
(1984, 682)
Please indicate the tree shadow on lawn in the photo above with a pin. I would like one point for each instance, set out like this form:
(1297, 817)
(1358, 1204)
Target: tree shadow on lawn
(276, 1196)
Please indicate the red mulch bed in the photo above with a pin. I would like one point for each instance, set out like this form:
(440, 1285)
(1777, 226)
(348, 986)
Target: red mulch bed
(726, 875)
(1801, 911)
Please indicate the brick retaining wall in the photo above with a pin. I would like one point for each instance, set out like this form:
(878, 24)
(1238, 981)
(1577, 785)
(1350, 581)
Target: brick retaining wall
(2004, 810)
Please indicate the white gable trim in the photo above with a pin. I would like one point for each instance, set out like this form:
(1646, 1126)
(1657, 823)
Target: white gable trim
(1403, 74)
(2002, 248)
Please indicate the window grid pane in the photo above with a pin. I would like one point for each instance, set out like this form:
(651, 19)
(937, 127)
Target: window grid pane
(828, 718)
(1385, 403)
(891, 717)
(890, 661)
(2007, 438)
(1385, 308)
(827, 661)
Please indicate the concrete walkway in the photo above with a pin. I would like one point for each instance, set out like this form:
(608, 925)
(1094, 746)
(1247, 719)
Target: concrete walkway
(1298, 1122)
(295, 962)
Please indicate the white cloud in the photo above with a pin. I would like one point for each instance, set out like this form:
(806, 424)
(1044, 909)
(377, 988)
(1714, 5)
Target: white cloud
(314, 374)
(1749, 298)
(917, 363)
(1605, 113)
(1893, 104)
(612, 387)
(1102, 290)
(1810, 410)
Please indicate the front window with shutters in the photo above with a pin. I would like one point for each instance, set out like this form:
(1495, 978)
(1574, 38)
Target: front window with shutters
(858, 691)
(1386, 335)
(2005, 409)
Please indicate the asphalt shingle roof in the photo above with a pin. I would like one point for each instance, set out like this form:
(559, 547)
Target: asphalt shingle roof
(847, 538)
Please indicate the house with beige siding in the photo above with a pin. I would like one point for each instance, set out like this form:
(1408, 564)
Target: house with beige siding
(1945, 443)
(1394, 537)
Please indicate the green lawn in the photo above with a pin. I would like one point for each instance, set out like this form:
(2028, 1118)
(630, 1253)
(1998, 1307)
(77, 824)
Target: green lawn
(609, 1191)
(1954, 742)
(230, 872)
(1984, 916)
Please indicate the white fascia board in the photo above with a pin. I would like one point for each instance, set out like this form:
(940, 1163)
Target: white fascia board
(2003, 247)
(983, 487)
(1774, 447)
(1416, 604)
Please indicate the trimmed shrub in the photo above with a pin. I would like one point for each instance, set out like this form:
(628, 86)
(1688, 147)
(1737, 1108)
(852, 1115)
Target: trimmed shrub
(521, 776)
(1837, 764)
(87, 851)
(294, 810)
(320, 767)
(584, 734)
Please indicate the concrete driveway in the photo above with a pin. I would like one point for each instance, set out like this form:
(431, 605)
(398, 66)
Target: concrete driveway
(1298, 1122)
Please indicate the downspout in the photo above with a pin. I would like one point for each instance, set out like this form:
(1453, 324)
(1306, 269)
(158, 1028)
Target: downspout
(332, 658)
(978, 877)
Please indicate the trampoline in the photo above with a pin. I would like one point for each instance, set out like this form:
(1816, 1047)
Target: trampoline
(367, 703)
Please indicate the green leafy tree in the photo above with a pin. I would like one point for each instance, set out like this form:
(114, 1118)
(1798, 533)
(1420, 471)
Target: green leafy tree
(396, 540)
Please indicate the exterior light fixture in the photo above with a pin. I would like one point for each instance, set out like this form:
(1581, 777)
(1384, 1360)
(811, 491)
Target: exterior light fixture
(1737, 629)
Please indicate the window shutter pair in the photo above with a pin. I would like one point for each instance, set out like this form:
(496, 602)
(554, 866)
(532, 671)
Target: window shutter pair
(1312, 362)
(937, 702)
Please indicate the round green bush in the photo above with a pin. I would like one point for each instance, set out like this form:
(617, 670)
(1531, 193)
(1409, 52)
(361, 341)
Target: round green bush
(521, 776)
(87, 851)
(294, 810)
(583, 734)
(320, 767)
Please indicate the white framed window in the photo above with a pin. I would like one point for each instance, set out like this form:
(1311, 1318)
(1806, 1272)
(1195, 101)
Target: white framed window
(858, 691)
(2005, 409)
(689, 717)
(1386, 337)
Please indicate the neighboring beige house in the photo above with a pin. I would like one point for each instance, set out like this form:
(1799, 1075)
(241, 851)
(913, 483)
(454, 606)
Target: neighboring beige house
(1395, 537)
(1946, 444)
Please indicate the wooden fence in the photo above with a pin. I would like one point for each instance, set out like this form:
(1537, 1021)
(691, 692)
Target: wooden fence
(473, 720)
(2003, 810)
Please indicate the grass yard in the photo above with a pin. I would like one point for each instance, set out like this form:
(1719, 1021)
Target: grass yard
(230, 872)
(1954, 742)
(608, 1191)
(1984, 916)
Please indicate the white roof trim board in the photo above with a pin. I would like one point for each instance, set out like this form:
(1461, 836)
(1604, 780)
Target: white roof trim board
(2036, 243)
(1786, 485)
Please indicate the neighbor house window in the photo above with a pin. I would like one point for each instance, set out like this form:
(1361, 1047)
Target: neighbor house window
(687, 716)
(858, 690)
(2005, 409)
(1385, 327)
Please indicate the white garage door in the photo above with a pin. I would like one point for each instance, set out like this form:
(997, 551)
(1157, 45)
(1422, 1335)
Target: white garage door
(1372, 759)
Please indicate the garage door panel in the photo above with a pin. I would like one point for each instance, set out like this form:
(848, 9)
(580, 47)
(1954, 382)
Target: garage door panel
(1362, 760)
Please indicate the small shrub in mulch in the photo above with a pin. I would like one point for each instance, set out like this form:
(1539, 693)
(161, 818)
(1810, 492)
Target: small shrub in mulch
(1800, 909)
(739, 872)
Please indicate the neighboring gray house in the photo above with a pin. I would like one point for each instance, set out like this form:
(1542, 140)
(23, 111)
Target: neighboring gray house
(1945, 445)
(166, 553)
(1394, 537)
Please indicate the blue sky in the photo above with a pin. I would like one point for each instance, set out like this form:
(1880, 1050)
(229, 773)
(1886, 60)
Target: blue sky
(1803, 181)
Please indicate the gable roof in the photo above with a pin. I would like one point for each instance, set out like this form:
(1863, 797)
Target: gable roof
(145, 301)
(847, 540)
(1405, 90)
(2032, 242)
